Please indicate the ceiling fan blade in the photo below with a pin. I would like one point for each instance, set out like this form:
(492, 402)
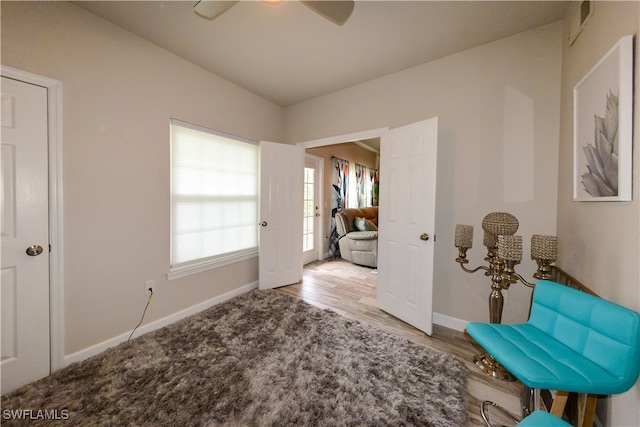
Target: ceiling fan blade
(337, 12)
(211, 9)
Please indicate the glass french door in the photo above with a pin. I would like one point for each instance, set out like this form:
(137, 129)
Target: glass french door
(310, 231)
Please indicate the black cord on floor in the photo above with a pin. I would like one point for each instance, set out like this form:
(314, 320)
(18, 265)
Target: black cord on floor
(143, 313)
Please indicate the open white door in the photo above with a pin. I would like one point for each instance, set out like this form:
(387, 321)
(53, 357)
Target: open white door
(24, 279)
(406, 222)
(281, 214)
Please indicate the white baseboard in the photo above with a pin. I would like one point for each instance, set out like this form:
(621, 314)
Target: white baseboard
(157, 324)
(438, 319)
(449, 322)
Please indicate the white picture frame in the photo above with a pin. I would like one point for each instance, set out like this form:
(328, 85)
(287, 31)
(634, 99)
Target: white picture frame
(602, 128)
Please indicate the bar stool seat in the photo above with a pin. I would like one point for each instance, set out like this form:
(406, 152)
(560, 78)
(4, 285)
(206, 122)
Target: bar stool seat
(542, 419)
(572, 342)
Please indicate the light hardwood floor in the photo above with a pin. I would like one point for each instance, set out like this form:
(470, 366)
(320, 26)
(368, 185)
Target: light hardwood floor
(351, 291)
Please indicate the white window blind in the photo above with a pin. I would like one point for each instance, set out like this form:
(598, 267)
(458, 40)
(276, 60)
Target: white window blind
(214, 197)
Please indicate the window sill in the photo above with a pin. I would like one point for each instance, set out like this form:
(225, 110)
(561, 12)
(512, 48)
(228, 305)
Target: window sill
(199, 267)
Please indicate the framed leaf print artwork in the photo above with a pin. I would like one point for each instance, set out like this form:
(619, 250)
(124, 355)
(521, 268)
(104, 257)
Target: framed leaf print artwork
(602, 128)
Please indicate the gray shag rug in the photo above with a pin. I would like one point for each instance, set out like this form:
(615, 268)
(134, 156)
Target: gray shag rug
(259, 359)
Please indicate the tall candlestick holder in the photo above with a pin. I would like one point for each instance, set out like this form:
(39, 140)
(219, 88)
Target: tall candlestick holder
(504, 252)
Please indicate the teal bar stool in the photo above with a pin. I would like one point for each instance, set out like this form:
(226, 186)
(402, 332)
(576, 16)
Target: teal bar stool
(542, 419)
(536, 419)
(572, 342)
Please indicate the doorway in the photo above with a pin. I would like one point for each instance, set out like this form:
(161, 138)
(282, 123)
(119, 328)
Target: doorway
(350, 169)
(326, 270)
(406, 218)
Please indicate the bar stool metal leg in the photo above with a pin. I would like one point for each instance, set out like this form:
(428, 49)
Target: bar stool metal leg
(487, 404)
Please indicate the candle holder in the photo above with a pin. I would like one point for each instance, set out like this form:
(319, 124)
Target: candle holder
(544, 251)
(504, 252)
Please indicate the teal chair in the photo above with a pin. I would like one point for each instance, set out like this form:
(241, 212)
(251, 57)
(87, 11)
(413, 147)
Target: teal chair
(542, 419)
(536, 419)
(572, 342)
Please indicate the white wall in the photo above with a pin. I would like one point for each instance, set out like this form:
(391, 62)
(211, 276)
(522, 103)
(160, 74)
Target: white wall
(599, 243)
(119, 93)
(498, 108)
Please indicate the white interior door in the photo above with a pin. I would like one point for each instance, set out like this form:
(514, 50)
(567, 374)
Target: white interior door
(281, 213)
(406, 222)
(24, 282)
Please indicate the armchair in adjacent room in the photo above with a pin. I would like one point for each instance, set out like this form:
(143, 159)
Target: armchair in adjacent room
(358, 233)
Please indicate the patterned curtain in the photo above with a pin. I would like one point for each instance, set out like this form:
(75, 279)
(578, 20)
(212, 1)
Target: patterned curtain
(339, 189)
(373, 180)
(363, 189)
(366, 186)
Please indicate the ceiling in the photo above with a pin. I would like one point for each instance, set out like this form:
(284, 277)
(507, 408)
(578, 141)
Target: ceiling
(288, 54)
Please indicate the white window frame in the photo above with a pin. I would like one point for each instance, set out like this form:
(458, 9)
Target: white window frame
(187, 268)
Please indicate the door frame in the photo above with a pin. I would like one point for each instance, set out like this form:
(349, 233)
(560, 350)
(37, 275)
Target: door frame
(56, 276)
(319, 193)
(343, 139)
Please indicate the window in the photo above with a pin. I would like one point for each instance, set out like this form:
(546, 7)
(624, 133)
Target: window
(214, 199)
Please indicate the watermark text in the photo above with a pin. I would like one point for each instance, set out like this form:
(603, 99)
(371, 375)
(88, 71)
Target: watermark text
(33, 414)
